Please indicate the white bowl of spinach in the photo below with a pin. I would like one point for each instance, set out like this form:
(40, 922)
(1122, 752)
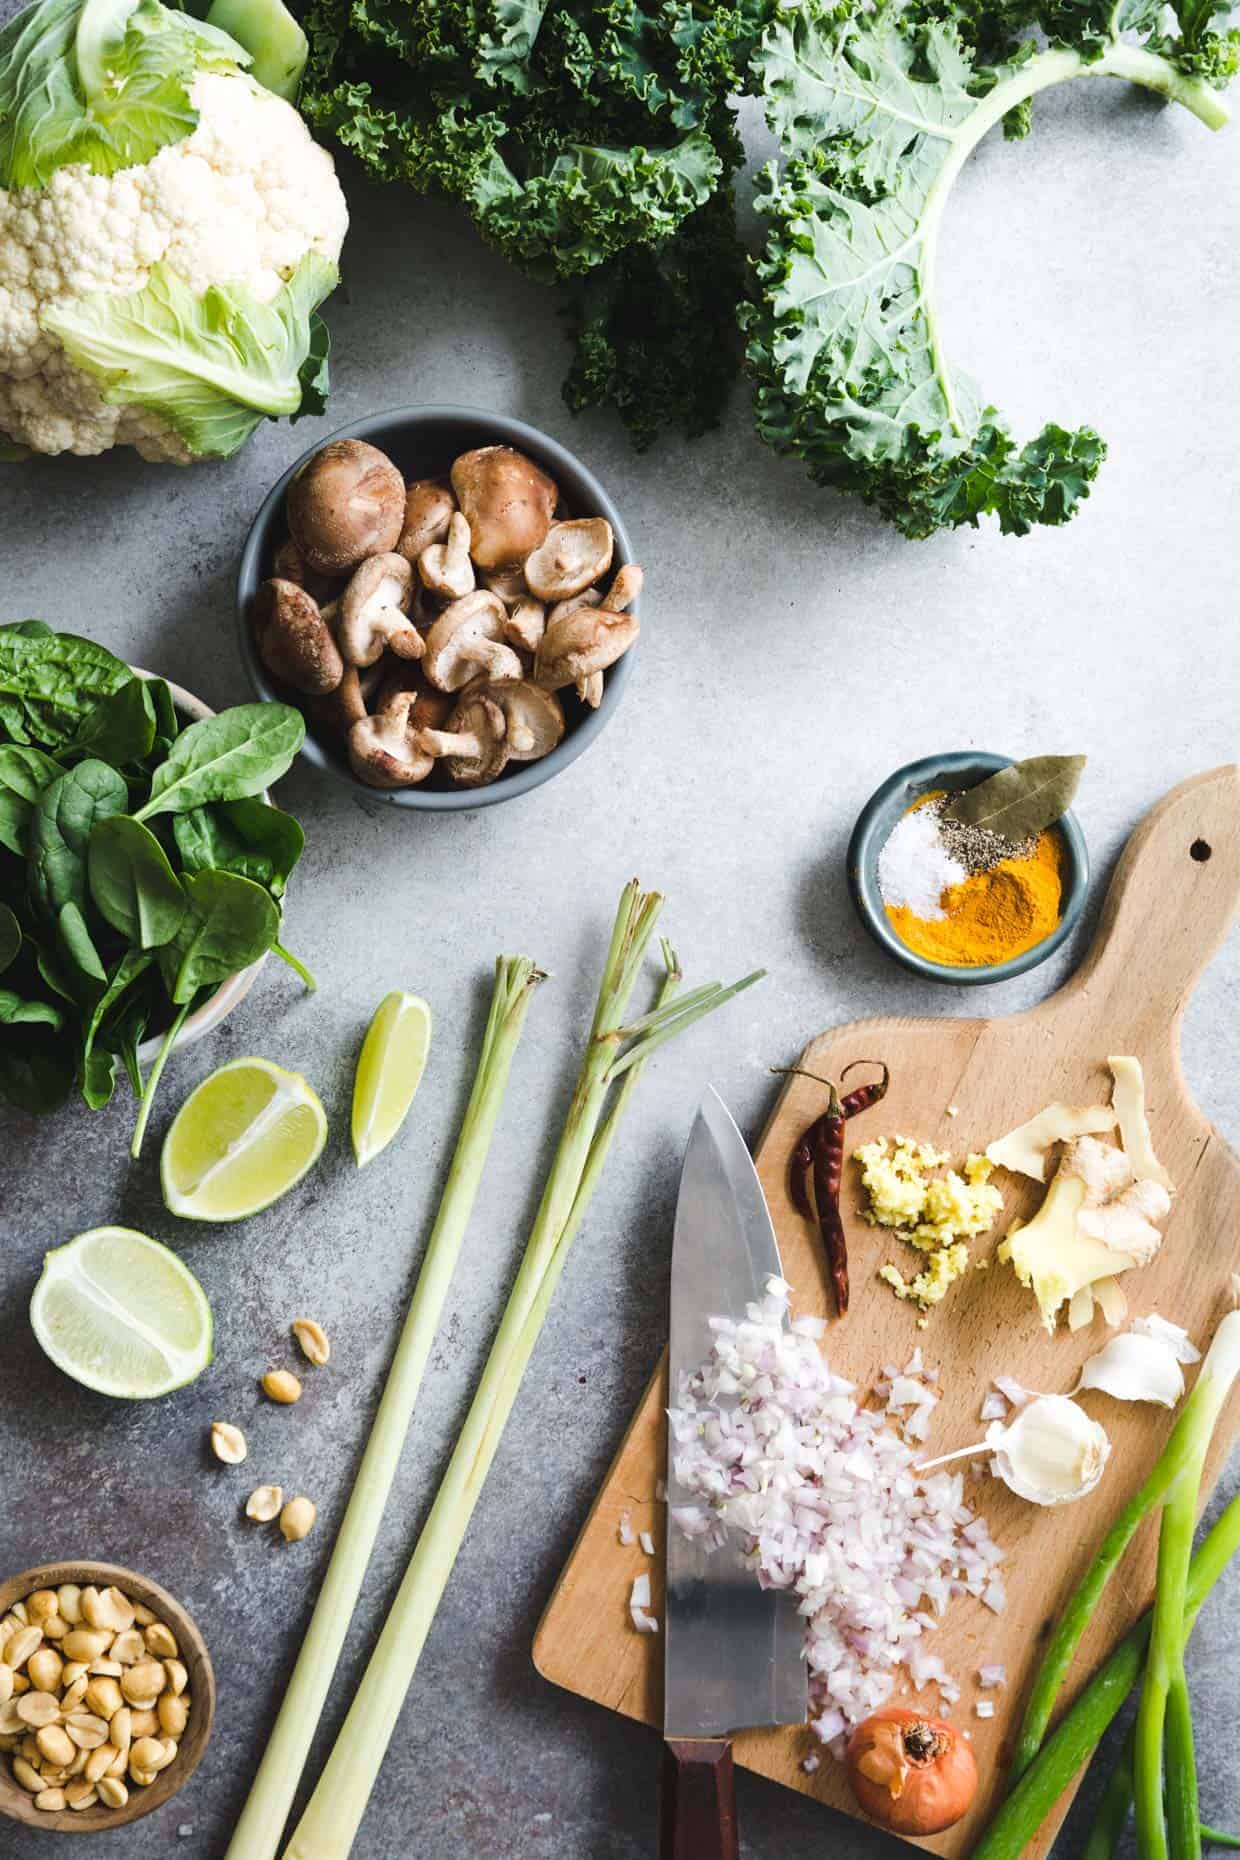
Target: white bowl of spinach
(142, 866)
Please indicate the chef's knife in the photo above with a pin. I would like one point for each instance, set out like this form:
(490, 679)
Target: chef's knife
(732, 1649)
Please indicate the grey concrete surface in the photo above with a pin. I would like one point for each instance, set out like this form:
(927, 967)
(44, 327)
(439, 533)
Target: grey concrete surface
(794, 651)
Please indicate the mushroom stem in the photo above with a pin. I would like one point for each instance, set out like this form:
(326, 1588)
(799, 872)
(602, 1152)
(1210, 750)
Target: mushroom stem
(449, 743)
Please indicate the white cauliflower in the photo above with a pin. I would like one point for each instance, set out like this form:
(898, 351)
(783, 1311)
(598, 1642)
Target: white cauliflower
(239, 202)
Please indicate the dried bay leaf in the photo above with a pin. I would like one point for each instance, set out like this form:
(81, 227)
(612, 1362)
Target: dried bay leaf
(1022, 800)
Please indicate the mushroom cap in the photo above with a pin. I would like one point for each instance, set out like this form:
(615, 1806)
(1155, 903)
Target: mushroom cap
(373, 610)
(466, 639)
(294, 640)
(625, 588)
(382, 751)
(593, 597)
(585, 641)
(508, 583)
(429, 504)
(345, 503)
(476, 716)
(534, 717)
(570, 557)
(508, 502)
(444, 567)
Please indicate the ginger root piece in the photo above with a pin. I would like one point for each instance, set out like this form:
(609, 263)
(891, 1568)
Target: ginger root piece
(1128, 1101)
(1025, 1150)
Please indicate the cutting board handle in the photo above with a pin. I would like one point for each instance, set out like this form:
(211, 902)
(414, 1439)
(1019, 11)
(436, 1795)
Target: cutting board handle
(1173, 898)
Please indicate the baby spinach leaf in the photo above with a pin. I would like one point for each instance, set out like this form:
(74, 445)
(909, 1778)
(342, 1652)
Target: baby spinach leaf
(76, 948)
(121, 727)
(167, 723)
(10, 937)
(60, 830)
(132, 884)
(14, 1011)
(225, 758)
(27, 629)
(36, 1069)
(96, 1065)
(129, 1029)
(249, 837)
(24, 773)
(231, 922)
(50, 682)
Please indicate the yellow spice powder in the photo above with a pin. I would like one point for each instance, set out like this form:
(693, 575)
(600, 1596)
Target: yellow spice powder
(992, 915)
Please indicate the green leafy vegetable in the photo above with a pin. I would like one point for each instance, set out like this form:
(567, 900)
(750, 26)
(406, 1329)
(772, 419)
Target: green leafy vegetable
(272, 37)
(121, 728)
(226, 758)
(249, 837)
(213, 366)
(10, 938)
(112, 931)
(50, 682)
(24, 773)
(132, 883)
(230, 922)
(13, 1010)
(106, 84)
(60, 828)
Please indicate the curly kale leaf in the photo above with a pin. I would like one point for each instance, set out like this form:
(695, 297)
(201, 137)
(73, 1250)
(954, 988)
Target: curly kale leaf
(875, 119)
(656, 329)
(572, 135)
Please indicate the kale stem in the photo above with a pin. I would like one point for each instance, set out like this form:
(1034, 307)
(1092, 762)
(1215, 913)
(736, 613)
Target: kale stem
(152, 1083)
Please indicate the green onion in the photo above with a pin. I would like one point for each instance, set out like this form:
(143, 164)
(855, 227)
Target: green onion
(327, 1829)
(1215, 1837)
(1113, 1810)
(271, 1795)
(1163, 1756)
(1082, 1727)
(1181, 1456)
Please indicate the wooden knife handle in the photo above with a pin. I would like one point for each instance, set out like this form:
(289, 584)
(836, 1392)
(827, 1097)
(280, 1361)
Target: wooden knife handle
(697, 1810)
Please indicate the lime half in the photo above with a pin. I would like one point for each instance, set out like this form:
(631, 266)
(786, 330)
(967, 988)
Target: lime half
(389, 1071)
(121, 1314)
(242, 1139)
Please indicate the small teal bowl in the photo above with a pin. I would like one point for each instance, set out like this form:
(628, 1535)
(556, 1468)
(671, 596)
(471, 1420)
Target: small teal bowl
(880, 814)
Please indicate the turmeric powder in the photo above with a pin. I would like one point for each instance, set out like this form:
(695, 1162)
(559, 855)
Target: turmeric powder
(992, 915)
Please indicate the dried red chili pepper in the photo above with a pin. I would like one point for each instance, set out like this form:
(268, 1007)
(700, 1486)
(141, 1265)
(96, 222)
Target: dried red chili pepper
(816, 1167)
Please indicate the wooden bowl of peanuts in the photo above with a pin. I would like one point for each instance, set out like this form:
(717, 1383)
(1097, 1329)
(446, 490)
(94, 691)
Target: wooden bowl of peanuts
(95, 1658)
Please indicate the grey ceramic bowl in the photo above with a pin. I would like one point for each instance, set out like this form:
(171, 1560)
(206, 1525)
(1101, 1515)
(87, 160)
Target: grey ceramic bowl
(422, 442)
(880, 814)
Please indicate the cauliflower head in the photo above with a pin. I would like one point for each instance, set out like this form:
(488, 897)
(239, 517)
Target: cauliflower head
(167, 303)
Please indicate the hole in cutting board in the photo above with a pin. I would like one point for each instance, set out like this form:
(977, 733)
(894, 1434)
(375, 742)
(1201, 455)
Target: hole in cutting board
(1200, 850)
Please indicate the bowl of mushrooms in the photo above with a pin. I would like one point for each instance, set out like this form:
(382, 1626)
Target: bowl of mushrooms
(106, 1697)
(449, 596)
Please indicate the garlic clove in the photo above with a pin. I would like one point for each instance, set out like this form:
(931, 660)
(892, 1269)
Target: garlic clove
(1051, 1453)
(1177, 1340)
(1135, 1367)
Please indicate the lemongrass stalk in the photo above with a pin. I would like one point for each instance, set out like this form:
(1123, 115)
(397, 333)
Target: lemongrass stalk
(334, 1813)
(270, 1800)
(1164, 1716)
(1081, 1729)
(1187, 1442)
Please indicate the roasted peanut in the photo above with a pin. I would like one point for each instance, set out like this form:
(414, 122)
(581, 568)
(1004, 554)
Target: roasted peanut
(312, 1341)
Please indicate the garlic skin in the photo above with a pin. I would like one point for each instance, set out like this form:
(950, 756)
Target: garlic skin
(1135, 1366)
(1176, 1338)
(1052, 1453)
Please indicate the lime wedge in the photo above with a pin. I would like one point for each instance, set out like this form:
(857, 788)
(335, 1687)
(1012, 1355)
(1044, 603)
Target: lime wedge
(240, 1141)
(389, 1071)
(121, 1314)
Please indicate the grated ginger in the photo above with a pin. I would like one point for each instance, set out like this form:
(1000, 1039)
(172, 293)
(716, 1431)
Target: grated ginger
(935, 1212)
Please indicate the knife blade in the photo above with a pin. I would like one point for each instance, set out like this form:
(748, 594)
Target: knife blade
(732, 1650)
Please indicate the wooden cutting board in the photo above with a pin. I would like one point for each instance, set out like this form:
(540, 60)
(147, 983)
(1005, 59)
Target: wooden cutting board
(1173, 897)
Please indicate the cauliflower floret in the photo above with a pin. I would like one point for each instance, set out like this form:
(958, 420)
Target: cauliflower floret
(241, 200)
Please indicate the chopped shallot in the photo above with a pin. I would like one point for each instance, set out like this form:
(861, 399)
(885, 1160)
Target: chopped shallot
(625, 1530)
(985, 1708)
(771, 1449)
(810, 1764)
(644, 1623)
(990, 1678)
(994, 1406)
(646, 1541)
(640, 1595)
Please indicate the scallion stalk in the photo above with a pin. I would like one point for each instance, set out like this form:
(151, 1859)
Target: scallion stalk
(1081, 1729)
(1180, 1458)
(333, 1815)
(1164, 1763)
(270, 1800)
